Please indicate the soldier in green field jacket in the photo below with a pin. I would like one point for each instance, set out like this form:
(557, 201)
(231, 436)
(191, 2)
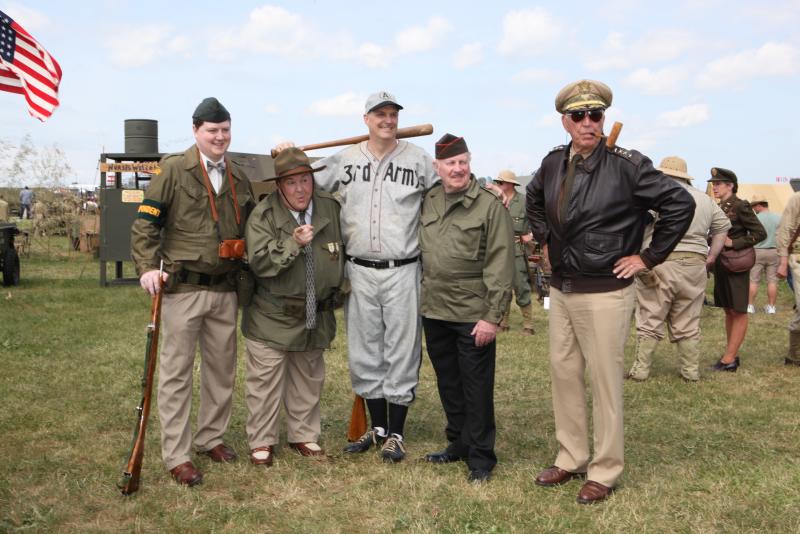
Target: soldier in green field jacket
(296, 253)
(176, 223)
(467, 246)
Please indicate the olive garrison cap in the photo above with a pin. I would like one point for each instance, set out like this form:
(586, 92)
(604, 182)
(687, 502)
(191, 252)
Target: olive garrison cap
(211, 110)
(583, 95)
(290, 162)
(507, 176)
(718, 174)
(450, 145)
(674, 166)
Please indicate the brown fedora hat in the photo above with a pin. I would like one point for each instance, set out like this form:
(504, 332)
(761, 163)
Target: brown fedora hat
(292, 161)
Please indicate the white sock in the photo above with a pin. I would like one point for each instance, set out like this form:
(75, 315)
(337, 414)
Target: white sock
(397, 436)
(380, 431)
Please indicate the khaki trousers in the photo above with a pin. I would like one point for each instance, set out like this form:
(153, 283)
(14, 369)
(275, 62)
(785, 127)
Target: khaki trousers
(794, 265)
(276, 377)
(589, 329)
(672, 293)
(186, 318)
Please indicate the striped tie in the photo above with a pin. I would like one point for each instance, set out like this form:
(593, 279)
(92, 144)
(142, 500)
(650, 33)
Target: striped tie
(311, 293)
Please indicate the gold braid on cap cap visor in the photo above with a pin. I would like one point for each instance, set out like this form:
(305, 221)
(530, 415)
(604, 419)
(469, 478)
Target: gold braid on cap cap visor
(584, 102)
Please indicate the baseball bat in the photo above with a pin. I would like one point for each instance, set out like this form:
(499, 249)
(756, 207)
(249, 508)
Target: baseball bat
(358, 419)
(402, 133)
(611, 141)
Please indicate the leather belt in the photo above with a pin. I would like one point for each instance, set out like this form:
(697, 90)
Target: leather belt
(201, 279)
(383, 264)
(685, 255)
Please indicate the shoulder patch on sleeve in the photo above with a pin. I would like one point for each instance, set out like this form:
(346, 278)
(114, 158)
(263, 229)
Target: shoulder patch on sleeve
(151, 211)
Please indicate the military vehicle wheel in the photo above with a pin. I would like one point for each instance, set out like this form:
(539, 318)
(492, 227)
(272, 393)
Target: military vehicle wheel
(10, 267)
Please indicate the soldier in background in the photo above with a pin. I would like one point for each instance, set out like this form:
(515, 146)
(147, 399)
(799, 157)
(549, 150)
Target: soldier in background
(25, 201)
(3, 209)
(507, 182)
(193, 214)
(766, 257)
(785, 238)
(672, 293)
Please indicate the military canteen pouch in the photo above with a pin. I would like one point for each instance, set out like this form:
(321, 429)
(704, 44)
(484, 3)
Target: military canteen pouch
(245, 285)
(738, 261)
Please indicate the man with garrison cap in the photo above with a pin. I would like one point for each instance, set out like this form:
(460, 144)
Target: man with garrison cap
(587, 204)
(381, 182)
(466, 240)
(672, 293)
(192, 218)
(507, 182)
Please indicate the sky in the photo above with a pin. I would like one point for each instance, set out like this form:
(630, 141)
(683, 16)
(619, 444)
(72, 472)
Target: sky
(714, 82)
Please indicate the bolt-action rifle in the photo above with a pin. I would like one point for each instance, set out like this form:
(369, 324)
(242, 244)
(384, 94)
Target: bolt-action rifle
(129, 483)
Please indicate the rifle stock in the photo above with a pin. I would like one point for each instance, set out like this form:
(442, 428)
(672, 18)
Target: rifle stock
(358, 419)
(129, 483)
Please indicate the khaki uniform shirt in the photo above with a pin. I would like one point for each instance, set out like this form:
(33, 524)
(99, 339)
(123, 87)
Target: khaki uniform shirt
(467, 256)
(3, 210)
(174, 221)
(516, 208)
(790, 220)
(276, 316)
(708, 219)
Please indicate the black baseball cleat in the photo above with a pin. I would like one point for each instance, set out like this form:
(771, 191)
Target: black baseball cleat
(365, 442)
(393, 450)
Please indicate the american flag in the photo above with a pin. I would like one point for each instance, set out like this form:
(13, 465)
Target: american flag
(26, 68)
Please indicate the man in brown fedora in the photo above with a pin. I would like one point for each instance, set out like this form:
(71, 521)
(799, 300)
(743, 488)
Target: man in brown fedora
(296, 253)
(766, 256)
(587, 205)
(507, 182)
(672, 293)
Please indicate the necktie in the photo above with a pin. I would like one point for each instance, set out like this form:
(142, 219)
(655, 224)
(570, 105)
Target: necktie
(566, 188)
(219, 166)
(311, 292)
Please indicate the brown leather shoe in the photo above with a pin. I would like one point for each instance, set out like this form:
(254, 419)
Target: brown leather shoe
(308, 449)
(555, 476)
(593, 492)
(261, 456)
(186, 474)
(221, 453)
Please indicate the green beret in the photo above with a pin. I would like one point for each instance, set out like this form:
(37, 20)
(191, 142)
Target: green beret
(210, 110)
(292, 161)
(450, 145)
(718, 174)
(583, 95)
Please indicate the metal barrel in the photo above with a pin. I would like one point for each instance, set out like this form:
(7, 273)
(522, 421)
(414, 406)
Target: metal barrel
(141, 136)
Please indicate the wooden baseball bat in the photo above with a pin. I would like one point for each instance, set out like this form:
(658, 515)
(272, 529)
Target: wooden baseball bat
(611, 140)
(402, 133)
(358, 419)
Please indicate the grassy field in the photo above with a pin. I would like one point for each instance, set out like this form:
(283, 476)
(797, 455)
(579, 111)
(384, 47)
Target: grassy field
(715, 456)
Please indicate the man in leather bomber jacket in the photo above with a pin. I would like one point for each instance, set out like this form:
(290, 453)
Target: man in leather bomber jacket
(588, 204)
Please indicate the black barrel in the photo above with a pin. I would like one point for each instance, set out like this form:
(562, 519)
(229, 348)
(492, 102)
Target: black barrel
(141, 136)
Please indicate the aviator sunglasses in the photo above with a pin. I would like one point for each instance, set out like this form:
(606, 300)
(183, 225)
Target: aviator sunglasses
(595, 115)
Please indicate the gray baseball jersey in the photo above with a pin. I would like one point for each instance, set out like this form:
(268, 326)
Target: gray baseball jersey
(381, 199)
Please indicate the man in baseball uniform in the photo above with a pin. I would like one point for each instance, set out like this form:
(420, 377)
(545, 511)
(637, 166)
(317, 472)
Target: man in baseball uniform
(381, 182)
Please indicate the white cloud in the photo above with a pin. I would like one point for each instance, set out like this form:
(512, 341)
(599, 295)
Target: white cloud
(136, 47)
(180, 45)
(772, 59)
(348, 104)
(421, 38)
(535, 75)
(549, 120)
(685, 116)
(272, 109)
(30, 19)
(373, 56)
(666, 81)
(468, 55)
(529, 32)
(656, 46)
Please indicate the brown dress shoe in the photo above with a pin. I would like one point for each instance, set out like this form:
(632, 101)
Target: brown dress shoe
(261, 456)
(593, 492)
(555, 476)
(308, 449)
(221, 453)
(186, 474)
